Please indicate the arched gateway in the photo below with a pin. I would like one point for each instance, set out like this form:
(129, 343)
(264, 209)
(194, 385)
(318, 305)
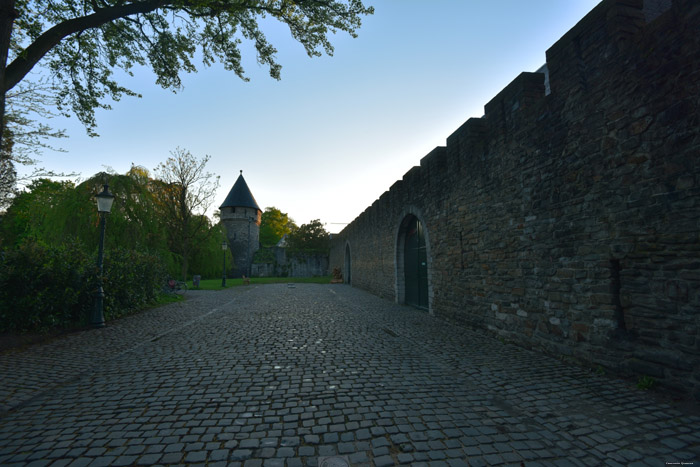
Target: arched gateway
(412, 263)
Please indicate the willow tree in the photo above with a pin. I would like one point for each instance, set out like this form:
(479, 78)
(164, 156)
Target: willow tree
(81, 42)
(55, 212)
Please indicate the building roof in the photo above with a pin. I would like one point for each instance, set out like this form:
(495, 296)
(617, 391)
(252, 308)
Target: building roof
(283, 242)
(240, 196)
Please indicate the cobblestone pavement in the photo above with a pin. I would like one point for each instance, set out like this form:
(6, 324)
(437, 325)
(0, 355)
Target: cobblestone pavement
(278, 375)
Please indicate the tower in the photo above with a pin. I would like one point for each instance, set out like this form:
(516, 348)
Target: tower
(241, 217)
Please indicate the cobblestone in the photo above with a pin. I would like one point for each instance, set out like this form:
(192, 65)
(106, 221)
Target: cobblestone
(271, 375)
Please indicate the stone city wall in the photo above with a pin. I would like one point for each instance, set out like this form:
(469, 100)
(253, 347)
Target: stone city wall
(567, 219)
(292, 264)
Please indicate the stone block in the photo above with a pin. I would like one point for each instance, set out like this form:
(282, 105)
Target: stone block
(533, 207)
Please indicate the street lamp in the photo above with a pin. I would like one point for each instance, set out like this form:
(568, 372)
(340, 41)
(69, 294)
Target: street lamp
(224, 247)
(104, 206)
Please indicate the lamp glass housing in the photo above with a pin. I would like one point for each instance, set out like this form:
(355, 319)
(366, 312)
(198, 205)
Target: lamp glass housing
(224, 246)
(105, 200)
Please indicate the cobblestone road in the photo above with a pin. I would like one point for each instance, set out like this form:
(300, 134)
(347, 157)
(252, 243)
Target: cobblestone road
(277, 375)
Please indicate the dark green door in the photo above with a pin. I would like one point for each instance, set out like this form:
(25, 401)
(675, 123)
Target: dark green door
(416, 264)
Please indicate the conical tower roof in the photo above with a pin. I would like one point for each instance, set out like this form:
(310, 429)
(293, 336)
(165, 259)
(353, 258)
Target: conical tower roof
(240, 196)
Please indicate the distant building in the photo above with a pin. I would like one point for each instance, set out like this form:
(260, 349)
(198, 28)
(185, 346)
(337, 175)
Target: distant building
(241, 216)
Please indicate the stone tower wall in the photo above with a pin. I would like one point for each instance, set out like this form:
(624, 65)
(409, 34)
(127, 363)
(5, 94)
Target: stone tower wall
(568, 220)
(237, 226)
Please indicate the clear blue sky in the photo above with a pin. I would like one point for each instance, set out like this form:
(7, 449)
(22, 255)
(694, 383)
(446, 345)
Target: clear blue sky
(335, 132)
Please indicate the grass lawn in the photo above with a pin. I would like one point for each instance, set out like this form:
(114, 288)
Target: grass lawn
(215, 284)
(164, 299)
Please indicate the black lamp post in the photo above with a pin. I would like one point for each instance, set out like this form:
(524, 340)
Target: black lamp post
(104, 206)
(224, 247)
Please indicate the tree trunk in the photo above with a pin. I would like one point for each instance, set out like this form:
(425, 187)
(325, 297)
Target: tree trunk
(7, 18)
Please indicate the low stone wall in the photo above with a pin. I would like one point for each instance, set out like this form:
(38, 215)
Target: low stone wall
(567, 219)
(292, 265)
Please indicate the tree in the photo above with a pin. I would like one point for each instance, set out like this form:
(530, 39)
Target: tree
(83, 41)
(27, 216)
(8, 180)
(311, 237)
(134, 221)
(56, 212)
(24, 136)
(186, 193)
(274, 225)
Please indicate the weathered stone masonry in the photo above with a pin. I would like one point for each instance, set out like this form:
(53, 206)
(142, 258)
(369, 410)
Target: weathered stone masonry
(567, 221)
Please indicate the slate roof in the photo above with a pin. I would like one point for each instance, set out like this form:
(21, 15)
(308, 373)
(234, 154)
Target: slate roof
(240, 196)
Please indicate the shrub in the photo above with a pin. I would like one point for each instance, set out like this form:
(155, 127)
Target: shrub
(132, 279)
(45, 287)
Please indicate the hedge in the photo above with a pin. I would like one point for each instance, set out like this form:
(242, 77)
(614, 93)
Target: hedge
(43, 287)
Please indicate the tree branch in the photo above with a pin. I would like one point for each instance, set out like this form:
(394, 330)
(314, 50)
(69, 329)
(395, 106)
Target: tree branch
(23, 64)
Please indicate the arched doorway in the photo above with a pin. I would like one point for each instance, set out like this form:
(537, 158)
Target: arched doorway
(348, 265)
(414, 261)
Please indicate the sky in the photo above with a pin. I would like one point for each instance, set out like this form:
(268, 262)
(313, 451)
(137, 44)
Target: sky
(336, 132)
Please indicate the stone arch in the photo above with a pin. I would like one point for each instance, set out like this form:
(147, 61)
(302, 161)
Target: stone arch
(408, 219)
(348, 264)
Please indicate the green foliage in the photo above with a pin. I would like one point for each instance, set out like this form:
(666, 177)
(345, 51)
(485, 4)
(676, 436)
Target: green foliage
(164, 299)
(209, 260)
(132, 279)
(8, 174)
(49, 233)
(23, 136)
(53, 212)
(274, 225)
(26, 136)
(136, 218)
(185, 191)
(264, 255)
(646, 382)
(309, 238)
(44, 287)
(49, 238)
(215, 284)
(28, 215)
(88, 40)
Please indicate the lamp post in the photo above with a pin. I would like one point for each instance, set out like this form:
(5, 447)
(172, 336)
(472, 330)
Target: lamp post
(224, 247)
(104, 206)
